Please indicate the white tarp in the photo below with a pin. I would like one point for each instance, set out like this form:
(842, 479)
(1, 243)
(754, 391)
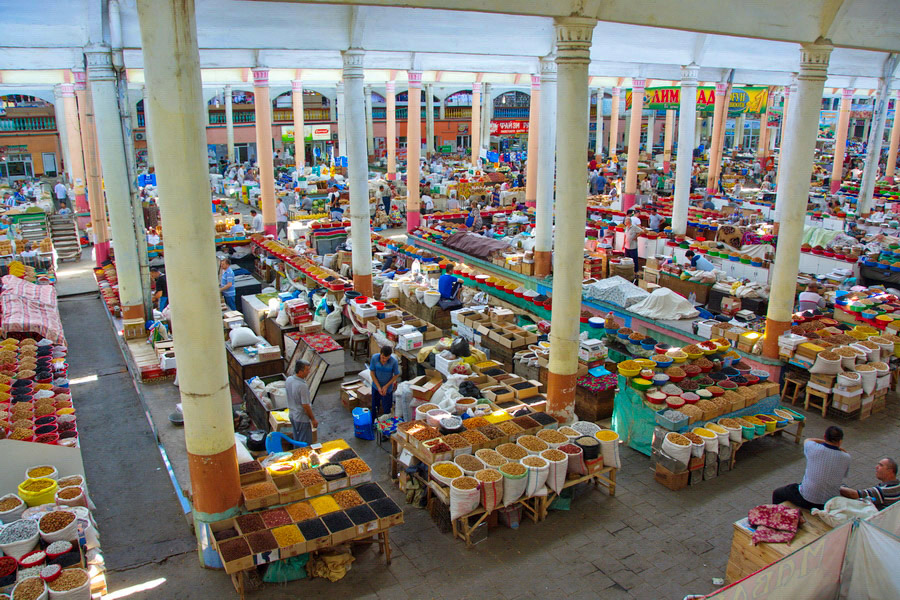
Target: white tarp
(663, 303)
(872, 566)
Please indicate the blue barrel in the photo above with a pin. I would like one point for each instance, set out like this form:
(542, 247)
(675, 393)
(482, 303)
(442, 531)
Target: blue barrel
(362, 424)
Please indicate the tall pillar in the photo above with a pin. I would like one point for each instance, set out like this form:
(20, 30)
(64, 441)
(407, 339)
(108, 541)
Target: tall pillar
(391, 125)
(96, 204)
(370, 126)
(429, 120)
(715, 149)
(358, 170)
(867, 128)
(797, 162)
(626, 132)
(172, 71)
(573, 43)
(229, 122)
(651, 133)
(891, 166)
(476, 122)
(546, 170)
(739, 125)
(840, 139)
(73, 139)
(534, 127)
(332, 110)
(785, 115)
(876, 136)
(598, 134)
(441, 109)
(413, 149)
(634, 143)
(111, 146)
(487, 112)
(698, 132)
(667, 141)
(589, 100)
(762, 149)
(342, 121)
(150, 161)
(263, 108)
(614, 122)
(63, 169)
(299, 137)
(687, 123)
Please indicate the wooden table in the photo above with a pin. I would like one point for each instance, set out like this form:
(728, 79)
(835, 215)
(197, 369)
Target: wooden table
(745, 558)
(242, 366)
(797, 435)
(605, 477)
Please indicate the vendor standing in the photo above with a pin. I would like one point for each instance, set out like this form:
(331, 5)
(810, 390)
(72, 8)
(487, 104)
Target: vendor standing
(299, 405)
(226, 283)
(385, 372)
(698, 261)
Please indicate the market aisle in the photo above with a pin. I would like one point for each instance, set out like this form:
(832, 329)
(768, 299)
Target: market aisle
(139, 517)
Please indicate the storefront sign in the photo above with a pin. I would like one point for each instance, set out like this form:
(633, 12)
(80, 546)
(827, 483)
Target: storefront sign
(445, 149)
(509, 127)
(743, 99)
(310, 133)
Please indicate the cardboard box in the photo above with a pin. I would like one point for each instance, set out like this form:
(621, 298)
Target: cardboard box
(695, 463)
(669, 479)
(424, 387)
(410, 341)
(823, 380)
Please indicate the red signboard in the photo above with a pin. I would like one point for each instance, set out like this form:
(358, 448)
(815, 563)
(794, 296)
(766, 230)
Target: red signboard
(509, 127)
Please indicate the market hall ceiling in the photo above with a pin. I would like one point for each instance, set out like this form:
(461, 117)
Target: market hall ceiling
(644, 38)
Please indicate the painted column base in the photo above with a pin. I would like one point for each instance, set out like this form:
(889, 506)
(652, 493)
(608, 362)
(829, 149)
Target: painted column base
(543, 260)
(363, 284)
(270, 229)
(215, 483)
(711, 191)
(530, 203)
(889, 179)
(836, 185)
(133, 312)
(667, 167)
(391, 176)
(561, 395)
(413, 219)
(101, 252)
(774, 329)
(628, 200)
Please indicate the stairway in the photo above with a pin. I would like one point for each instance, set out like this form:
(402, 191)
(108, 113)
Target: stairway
(65, 237)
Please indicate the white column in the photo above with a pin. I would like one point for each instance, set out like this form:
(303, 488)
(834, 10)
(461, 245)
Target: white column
(667, 140)
(262, 107)
(357, 170)
(626, 132)
(534, 128)
(299, 125)
(229, 123)
(876, 137)
(590, 95)
(429, 120)
(891, 167)
(720, 113)
(370, 126)
(840, 140)
(172, 71)
(413, 149)
(687, 123)
(739, 125)
(342, 121)
(546, 170)
(150, 161)
(651, 133)
(614, 121)
(634, 143)
(476, 123)
(391, 126)
(75, 164)
(573, 42)
(793, 193)
(93, 176)
(332, 109)
(487, 113)
(599, 119)
(441, 108)
(111, 145)
(62, 129)
(783, 148)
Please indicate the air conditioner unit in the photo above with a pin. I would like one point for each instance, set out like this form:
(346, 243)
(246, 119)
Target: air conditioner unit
(140, 136)
(334, 137)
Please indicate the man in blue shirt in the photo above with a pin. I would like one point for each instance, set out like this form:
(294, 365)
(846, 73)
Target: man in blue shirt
(698, 261)
(385, 373)
(226, 283)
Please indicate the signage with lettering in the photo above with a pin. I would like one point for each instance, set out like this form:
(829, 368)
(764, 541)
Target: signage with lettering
(743, 99)
(509, 127)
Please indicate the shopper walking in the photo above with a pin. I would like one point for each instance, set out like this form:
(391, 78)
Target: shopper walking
(827, 464)
(281, 219)
(256, 225)
(385, 372)
(226, 283)
(299, 404)
(59, 193)
(161, 288)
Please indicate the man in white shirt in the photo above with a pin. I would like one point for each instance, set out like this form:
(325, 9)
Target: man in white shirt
(256, 221)
(452, 202)
(281, 219)
(60, 193)
(428, 204)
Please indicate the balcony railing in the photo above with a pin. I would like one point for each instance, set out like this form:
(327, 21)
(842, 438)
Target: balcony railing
(379, 113)
(509, 112)
(238, 116)
(458, 112)
(27, 124)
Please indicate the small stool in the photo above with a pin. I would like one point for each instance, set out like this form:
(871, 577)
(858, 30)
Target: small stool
(359, 345)
(822, 396)
(792, 389)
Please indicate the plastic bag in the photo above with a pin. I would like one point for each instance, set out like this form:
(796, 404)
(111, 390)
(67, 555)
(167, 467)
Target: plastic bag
(462, 502)
(283, 319)
(402, 399)
(460, 347)
(535, 478)
(469, 390)
(840, 510)
(513, 487)
(287, 569)
(556, 474)
(332, 322)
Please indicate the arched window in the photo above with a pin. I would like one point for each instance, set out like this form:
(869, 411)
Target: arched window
(512, 100)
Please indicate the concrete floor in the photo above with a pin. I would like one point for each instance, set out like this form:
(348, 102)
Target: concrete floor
(647, 542)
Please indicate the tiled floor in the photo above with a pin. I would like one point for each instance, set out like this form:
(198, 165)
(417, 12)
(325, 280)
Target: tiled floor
(647, 542)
